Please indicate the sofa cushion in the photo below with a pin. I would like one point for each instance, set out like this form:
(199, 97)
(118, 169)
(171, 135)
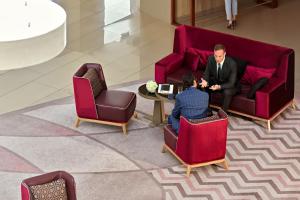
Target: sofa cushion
(92, 76)
(176, 77)
(203, 58)
(55, 190)
(259, 84)
(191, 60)
(203, 54)
(253, 74)
(115, 106)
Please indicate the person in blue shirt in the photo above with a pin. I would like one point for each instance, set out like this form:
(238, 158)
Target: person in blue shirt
(192, 103)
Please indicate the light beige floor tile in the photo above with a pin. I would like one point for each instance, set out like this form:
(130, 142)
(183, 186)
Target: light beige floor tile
(77, 13)
(24, 96)
(145, 74)
(93, 40)
(3, 71)
(154, 51)
(114, 73)
(13, 79)
(113, 51)
(61, 77)
(57, 62)
(130, 62)
(53, 96)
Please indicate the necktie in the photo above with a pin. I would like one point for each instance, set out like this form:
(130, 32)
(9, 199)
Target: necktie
(219, 70)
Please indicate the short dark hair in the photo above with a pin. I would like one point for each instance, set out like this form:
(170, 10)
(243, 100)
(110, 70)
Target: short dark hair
(188, 80)
(219, 47)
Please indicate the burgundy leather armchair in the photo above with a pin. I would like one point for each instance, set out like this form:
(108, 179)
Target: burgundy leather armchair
(47, 178)
(95, 103)
(198, 144)
(270, 100)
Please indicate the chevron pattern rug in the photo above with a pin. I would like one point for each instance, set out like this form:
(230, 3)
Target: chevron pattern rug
(262, 165)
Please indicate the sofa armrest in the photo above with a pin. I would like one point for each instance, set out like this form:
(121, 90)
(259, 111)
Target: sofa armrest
(166, 66)
(271, 98)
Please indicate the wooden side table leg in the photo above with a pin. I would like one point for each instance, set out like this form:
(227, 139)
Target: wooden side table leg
(163, 116)
(157, 113)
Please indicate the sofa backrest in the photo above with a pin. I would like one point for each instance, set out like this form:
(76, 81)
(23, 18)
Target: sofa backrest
(256, 53)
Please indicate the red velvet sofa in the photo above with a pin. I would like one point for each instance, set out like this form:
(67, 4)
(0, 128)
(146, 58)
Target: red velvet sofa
(269, 101)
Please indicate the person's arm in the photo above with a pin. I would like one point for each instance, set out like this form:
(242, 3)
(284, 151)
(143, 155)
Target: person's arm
(177, 109)
(205, 80)
(232, 79)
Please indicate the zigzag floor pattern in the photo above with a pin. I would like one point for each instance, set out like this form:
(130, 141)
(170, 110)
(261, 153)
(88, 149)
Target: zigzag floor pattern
(262, 165)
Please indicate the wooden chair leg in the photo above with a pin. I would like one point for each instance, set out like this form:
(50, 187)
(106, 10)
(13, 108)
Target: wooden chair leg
(124, 129)
(225, 165)
(294, 105)
(135, 115)
(77, 122)
(269, 125)
(188, 170)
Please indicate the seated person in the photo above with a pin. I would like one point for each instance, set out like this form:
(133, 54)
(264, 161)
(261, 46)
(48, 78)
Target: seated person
(192, 103)
(221, 75)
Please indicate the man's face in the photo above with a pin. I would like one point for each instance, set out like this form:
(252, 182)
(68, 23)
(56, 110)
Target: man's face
(219, 55)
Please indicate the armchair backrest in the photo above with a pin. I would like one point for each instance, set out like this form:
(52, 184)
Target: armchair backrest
(46, 178)
(83, 91)
(203, 141)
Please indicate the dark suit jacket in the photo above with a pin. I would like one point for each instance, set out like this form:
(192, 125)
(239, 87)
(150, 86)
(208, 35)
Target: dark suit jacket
(228, 75)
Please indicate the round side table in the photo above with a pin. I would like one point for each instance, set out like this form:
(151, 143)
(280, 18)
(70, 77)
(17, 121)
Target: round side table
(158, 116)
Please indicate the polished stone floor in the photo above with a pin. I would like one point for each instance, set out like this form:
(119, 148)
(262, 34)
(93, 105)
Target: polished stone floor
(127, 43)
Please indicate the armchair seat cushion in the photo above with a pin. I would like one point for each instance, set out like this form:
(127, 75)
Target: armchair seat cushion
(115, 106)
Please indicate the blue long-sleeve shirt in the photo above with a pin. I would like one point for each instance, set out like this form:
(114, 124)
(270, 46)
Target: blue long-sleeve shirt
(191, 103)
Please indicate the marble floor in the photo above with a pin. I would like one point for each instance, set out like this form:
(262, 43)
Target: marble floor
(127, 43)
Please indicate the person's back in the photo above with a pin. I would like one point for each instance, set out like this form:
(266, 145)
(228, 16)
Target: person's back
(194, 103)
(191, 103)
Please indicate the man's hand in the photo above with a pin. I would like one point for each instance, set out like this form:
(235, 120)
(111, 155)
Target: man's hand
(203, 83)
(215, 87)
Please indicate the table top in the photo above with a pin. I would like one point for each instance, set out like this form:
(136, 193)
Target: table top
(157, 96)
(144, 93)
(165, 97)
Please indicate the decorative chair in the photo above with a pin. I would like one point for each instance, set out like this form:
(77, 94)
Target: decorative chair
(59, 184)
(94, 103)
(200, 142)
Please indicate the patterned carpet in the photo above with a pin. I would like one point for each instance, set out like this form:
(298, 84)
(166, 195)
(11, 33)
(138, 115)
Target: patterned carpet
(109, 165)
(262, 165)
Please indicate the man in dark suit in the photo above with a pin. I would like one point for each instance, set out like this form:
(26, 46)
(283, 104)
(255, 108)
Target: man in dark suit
(221, 75)
(192, 103)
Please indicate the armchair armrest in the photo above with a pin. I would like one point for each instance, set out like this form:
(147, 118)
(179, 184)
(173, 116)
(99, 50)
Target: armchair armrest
(166, 66)
(271, 98)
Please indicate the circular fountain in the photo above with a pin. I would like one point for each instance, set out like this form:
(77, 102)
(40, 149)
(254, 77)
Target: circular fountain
(31, 32)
